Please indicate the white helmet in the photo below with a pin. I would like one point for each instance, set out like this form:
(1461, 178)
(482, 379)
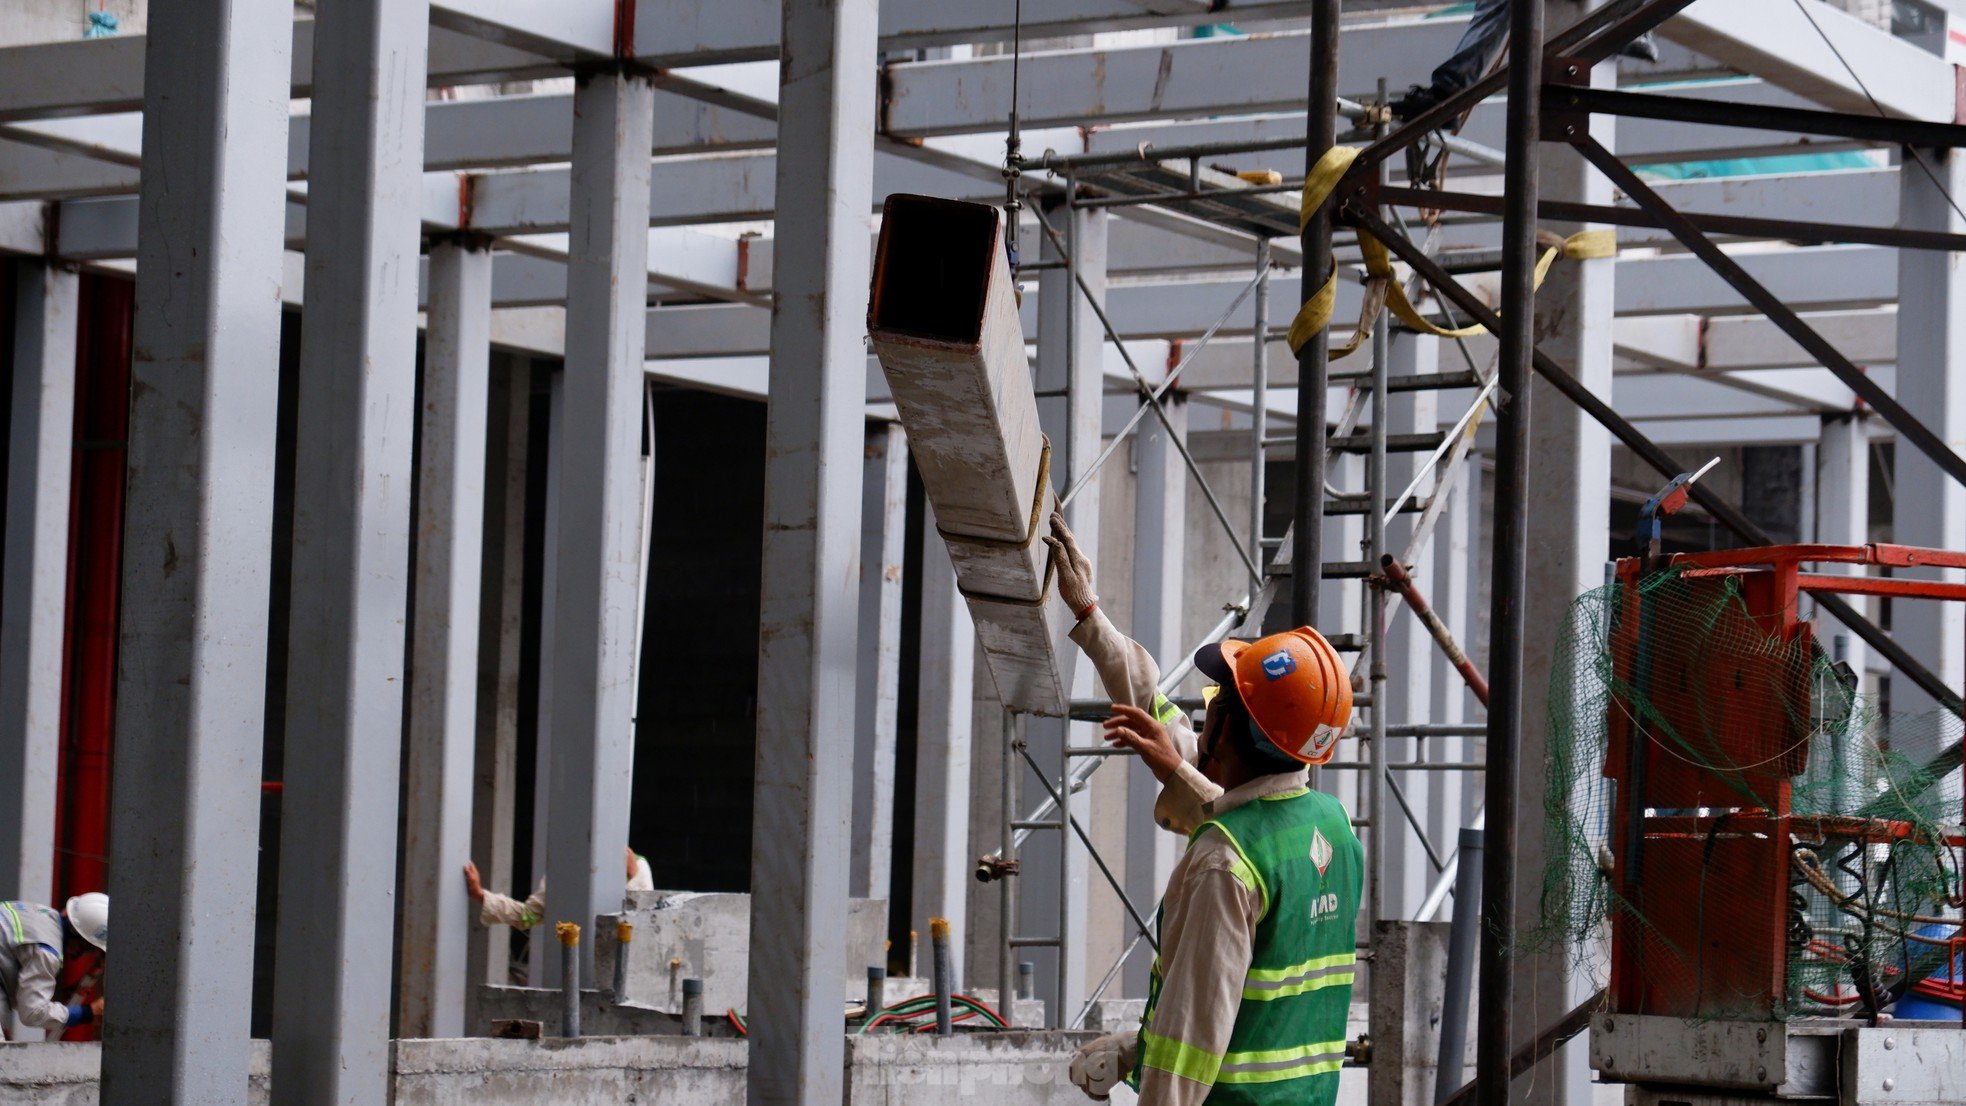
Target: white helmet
(89, 914)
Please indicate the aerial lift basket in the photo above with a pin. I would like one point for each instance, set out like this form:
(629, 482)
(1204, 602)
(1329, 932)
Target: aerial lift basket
(943, 320)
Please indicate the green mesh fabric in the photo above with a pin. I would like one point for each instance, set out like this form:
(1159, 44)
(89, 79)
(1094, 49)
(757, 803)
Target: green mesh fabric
(1736, 715)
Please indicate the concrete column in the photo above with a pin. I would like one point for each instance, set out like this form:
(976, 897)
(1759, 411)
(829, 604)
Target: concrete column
(494, 797)
(1569, 532)
(814, 433)
(1410, 650)
(332, 994)
(198, 527)
(883, 541)
(1843, 518)
(944, 868)
(599, 541)
(1052, 891)
(443, 708)
(34, 589)
(1160, 520)
(1931, 507)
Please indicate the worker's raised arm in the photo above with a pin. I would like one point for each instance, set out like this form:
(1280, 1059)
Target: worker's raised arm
(1208, 936)
(1131, 678)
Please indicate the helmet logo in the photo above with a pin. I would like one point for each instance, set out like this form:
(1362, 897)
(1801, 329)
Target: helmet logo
(1279, 664)
(1320, 851)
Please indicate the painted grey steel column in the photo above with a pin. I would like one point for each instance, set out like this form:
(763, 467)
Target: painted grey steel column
(944, 865)
(332, 994)
(443, 709)
(807, 643)
(494, 799)
(542, 956)
(1160, 543)
(34, 588)
(1053, 887)
(1447, 809)
(595, 582)
(1843, 518)
(1931, 507)
(1569, 506)
(198, 530)
(883, 541)
(1410, 651)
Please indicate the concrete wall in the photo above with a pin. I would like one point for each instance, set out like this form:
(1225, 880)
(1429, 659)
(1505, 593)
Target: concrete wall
(689, 935)
(1015, 1069)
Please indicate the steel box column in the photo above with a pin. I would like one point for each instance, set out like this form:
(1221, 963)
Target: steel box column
(807, 639)
(332, 994)
(883, 542)
(599, 483)
(198, 529)
(1052, 892)
(1410, 651)
(1931, 363)
(34, 589)
(943, 865)
(1843, 518)
(443, 710)
(1160, 544)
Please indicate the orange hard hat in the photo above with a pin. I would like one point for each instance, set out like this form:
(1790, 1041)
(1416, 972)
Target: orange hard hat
(1294, 686)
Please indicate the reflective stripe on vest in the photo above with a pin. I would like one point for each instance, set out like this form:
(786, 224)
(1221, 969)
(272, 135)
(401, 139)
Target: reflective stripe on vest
(1265, 984)
(1280, 1064)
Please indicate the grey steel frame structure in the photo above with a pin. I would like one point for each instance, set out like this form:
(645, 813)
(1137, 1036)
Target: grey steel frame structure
(215, 84)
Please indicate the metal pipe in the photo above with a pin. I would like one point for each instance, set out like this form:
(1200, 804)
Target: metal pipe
(1439, 729)
(1522, 184)
(1461, 937)
(1444, 882)
(1259, 408)
(1375, 598)
(1402, 581)
(1026, 974)
(1662, 462)
(1535, 1052)
(945, 972)
(692, 1008)
(569, 934)
(1006, 857)
(1320, 134)
(1866, 128)
(1119, 889)
(624, 933)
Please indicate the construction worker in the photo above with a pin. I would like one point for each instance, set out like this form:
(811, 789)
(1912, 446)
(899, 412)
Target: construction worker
(495, 909)
(34, 940)
(1257, 929)
(1480, 47)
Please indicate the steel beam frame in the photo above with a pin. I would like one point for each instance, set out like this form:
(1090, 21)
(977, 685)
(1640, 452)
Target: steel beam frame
(198, 549)
(883, 545)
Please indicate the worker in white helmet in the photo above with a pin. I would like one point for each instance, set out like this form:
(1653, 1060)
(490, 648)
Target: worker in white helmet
(34, 940)
(495, 909)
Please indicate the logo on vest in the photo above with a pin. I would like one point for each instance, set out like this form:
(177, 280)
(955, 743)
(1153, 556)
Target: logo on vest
(1324, 907)
(1320, 851)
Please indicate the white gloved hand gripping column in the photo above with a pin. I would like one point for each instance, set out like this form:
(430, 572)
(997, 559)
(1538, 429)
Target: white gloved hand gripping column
(1100, 1064)
(1072, 568)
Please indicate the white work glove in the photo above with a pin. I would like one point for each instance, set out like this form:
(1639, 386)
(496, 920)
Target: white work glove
(1100, 1065)
(1072, 569)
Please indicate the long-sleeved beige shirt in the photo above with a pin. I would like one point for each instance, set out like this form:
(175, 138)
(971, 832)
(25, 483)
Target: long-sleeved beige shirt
(1208, 914)
(504, 910)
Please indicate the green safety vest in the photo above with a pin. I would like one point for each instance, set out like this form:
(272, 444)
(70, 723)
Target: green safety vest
(1297, 850)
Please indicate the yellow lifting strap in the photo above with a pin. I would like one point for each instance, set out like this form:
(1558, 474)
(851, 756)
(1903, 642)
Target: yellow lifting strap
(1383, 288)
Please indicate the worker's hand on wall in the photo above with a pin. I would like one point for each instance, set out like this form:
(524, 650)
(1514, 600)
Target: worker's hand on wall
(1100, 1064)
(95, 1008)
(472, 885)
(1072, 568)
(1142, 732)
